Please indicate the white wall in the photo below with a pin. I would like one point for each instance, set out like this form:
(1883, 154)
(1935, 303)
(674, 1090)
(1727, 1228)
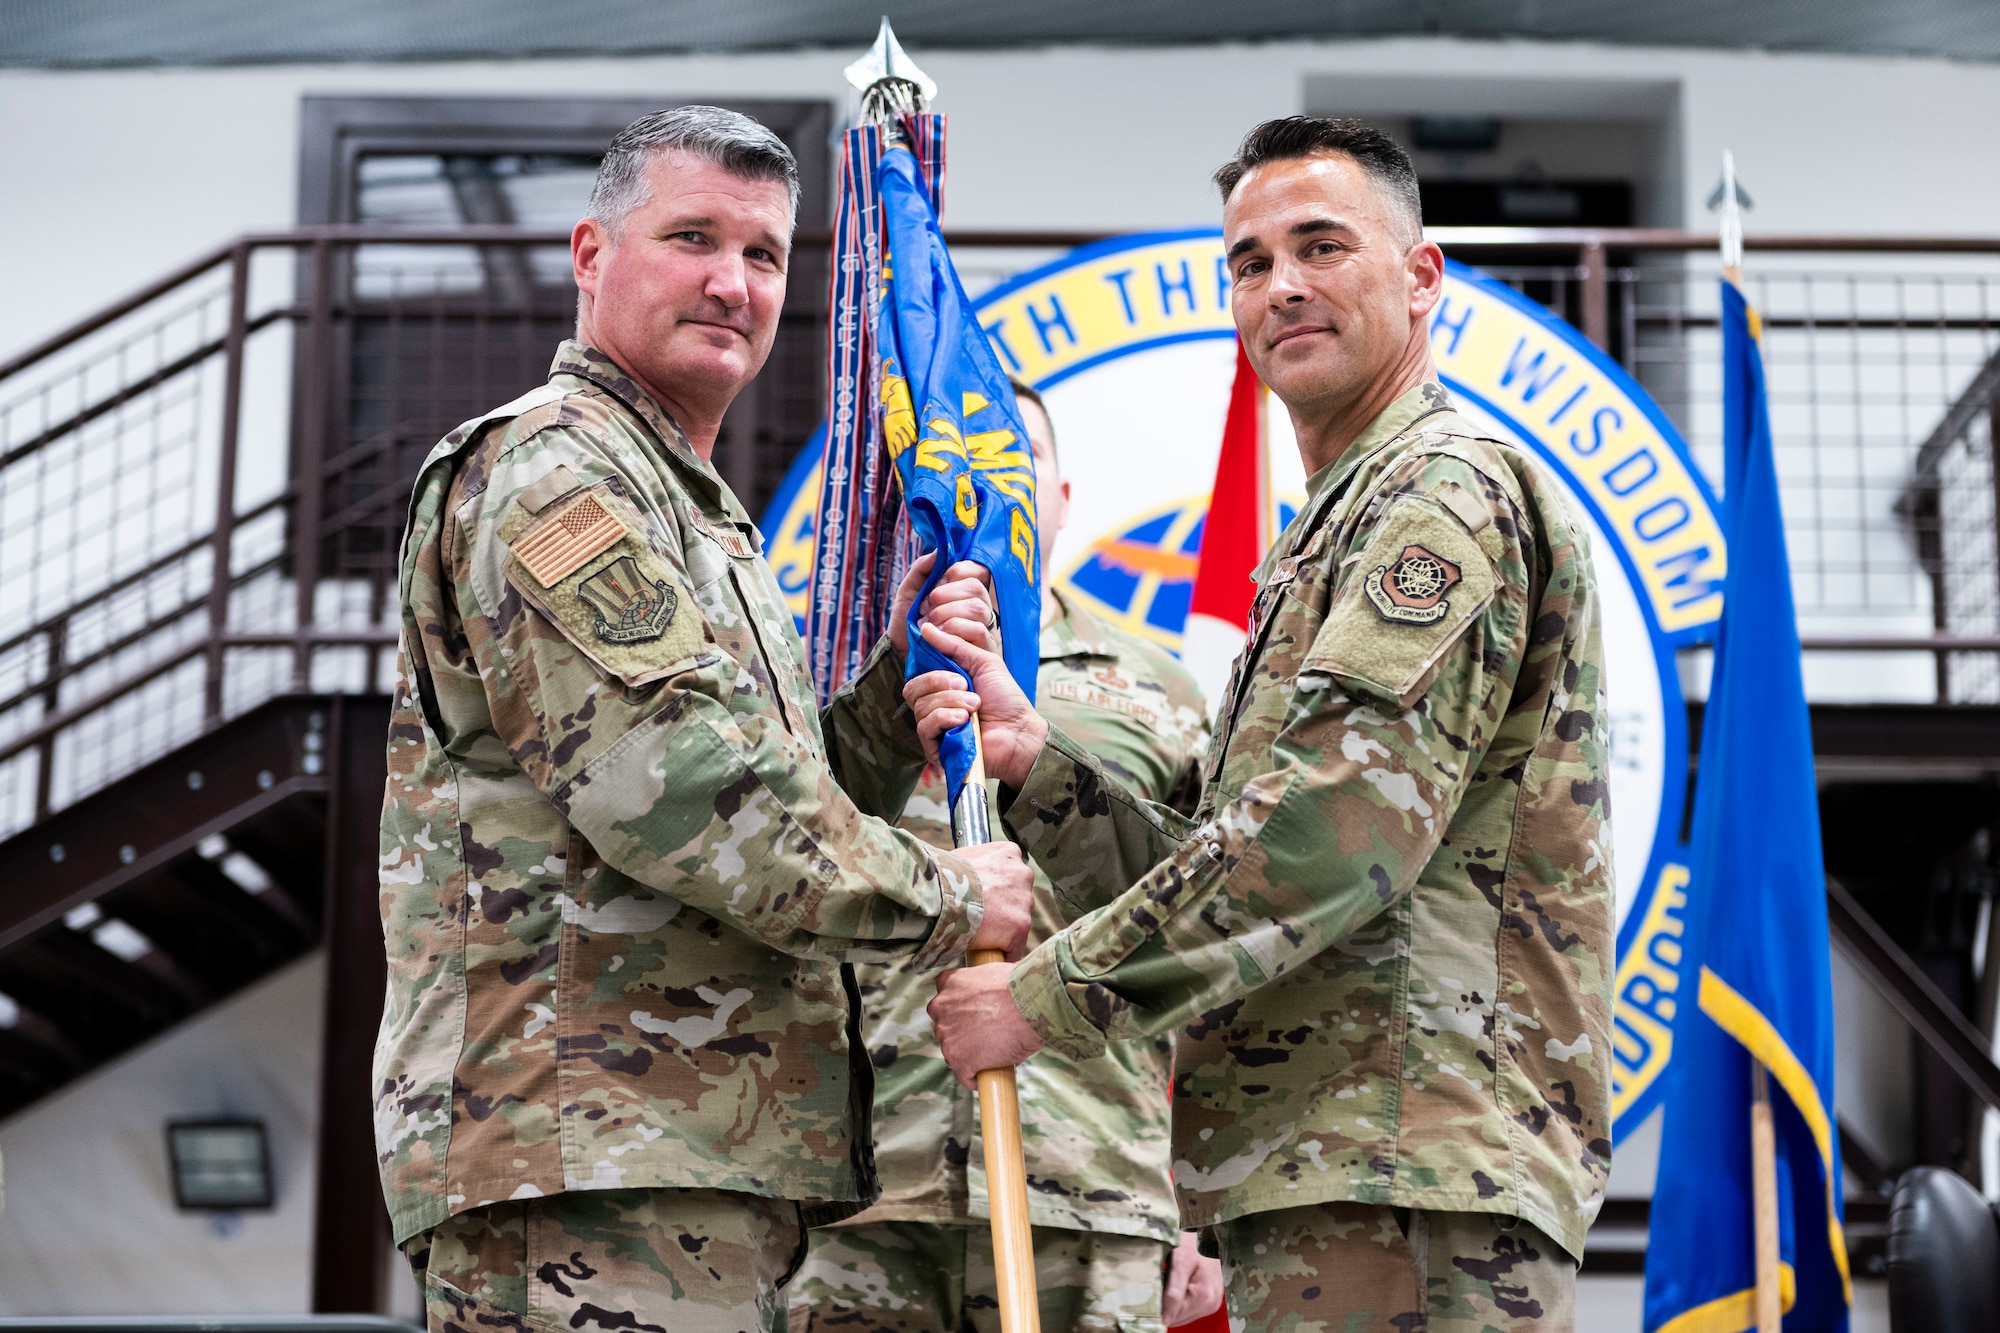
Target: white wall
(90, 1225)
(113, 177)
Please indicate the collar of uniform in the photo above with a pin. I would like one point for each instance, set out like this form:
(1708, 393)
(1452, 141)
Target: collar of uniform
(587, 363)
(1396, 419)
(1074, 633)
(1394, 422)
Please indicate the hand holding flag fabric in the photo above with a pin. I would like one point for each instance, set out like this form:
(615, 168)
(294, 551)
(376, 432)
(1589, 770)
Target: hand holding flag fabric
(956, 438)
(961, 597)
(976, 681)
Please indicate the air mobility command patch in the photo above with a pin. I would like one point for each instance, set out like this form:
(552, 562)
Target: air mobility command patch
(580, 562)
(1412, 591)
(1426, 581)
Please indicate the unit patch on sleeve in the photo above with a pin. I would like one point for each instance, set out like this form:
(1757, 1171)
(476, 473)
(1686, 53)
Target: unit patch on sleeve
(630, 607)
(1427, 581)
(1412, 591)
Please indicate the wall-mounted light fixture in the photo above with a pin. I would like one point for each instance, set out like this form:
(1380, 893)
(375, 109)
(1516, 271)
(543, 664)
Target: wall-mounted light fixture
(219, 1164)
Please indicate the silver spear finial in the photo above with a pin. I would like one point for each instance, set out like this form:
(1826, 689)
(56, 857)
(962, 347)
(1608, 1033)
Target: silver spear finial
(890, 82)
(1730, 199)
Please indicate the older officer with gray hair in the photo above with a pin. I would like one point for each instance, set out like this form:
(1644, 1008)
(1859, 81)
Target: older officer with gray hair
(625, 859)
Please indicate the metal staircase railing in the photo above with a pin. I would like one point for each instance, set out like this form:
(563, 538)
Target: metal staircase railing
(201, 486)
(177, 541)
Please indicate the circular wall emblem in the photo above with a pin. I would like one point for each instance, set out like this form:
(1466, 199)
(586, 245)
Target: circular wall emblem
(1130, 341)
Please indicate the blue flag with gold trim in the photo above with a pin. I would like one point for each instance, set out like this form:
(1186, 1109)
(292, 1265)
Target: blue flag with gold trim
(1756, 942)
(952, 427)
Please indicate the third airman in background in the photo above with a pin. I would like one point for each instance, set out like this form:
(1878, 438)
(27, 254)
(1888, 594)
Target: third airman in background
(1095, 1129)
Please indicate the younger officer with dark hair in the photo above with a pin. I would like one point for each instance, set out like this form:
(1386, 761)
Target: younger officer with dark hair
(1384, 942)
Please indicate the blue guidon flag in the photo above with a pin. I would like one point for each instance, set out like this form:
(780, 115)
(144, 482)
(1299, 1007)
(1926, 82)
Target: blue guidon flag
(1756, 938)
(938, 410)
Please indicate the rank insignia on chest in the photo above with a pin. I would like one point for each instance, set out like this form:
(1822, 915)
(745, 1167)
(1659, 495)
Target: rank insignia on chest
(1412, 591)
(630, 607)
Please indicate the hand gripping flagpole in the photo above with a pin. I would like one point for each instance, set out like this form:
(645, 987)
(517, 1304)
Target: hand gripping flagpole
(892, 86)
(1000, 1108)
(1769, 1308)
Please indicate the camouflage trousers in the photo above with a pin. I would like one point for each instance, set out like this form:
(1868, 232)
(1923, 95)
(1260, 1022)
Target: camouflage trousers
(933, 1277)
(643, 1261)
(1359, 1268)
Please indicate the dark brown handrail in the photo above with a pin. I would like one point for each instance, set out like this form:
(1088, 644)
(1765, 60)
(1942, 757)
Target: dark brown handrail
(73, 666)
(90, 324)
(1669, 239)
(124, 581)
(312, 638)
(1927, 643)
(1611, 238)
(118, 397)
(1913, 995)
(318, 307)
(1578, 238)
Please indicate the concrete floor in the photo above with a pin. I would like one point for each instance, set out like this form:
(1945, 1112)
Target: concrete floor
(1613, 1304)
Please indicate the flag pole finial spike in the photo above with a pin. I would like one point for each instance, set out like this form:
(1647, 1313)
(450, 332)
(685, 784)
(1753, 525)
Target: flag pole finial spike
(1731, 208)
(889, 81)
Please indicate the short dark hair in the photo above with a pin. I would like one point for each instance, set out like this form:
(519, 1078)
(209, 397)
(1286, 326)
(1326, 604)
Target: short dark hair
(1381, 158)
(1025, 393)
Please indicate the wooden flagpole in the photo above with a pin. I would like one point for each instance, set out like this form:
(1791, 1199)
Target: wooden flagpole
(1000, 1109)
(1769, 1306)
(1764, 1192)
(1007, 1193)
(890, 83)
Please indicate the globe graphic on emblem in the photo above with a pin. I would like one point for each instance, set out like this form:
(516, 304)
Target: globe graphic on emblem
(1420, 577)
(1141, 576)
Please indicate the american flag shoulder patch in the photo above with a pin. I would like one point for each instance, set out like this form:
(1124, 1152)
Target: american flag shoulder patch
(563, 540)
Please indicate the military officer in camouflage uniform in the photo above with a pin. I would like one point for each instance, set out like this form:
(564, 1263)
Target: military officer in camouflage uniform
(1383, 943)
(625, 860)
(1095, 1130)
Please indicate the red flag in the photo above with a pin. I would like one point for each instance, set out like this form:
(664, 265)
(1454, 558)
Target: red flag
(1234, 539)
(1216, 1321)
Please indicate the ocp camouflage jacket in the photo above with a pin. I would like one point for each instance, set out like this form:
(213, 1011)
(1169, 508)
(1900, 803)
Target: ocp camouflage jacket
(1095, 1131)
(624, 859)
(1386, 938)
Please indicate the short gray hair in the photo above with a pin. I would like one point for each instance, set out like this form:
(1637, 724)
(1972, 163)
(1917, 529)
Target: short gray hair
(729, 139)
